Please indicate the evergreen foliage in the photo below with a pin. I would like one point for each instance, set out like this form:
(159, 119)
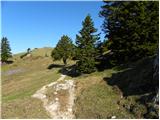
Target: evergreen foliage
(86, 46)
(131, 28)
(5, 50)
(63, 50)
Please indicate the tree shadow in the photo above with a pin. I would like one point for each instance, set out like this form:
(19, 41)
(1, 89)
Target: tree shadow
(104, 62)
(134, 80)
(51, 66)
(144, 99)
(8, 62)
(70, 71)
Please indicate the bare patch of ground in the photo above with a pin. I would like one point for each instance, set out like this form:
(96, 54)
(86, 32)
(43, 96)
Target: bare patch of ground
(58, 98)
(14, 71)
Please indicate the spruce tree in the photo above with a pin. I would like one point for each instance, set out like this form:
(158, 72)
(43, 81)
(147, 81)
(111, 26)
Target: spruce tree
(5, 50)
(86, 46)
(63, 50)
(131, 28)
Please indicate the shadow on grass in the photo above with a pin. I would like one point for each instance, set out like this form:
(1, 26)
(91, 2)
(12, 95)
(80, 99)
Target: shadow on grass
(70, 71)
(135, 80)
(7, 62)
(65, 70)
(51, 66)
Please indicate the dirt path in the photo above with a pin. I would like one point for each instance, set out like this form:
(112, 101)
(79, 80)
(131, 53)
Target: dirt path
(13, 71)
(61, 104)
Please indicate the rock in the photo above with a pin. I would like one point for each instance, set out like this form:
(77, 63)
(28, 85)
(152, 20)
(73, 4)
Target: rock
(156, 77)
(156, 98)
(56, 99)
(55, 93)
(28, 55)
(121, 96)
(113, 117)
(69, 109)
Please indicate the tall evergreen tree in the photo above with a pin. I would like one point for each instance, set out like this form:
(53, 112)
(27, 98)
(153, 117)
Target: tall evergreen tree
(63, 50)
(131, 28)
(5, 50)
(86, 46)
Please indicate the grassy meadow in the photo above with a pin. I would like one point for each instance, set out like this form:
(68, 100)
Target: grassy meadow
(17, 88)
(95, 97)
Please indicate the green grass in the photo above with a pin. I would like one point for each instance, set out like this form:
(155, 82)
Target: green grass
(97, 99)
(42, 51)
(18, 88)
(24, 108)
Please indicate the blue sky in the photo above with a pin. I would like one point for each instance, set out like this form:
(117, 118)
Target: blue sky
(41, 24)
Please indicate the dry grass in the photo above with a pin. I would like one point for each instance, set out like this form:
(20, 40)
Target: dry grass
(17, 88)
(101, 94)
(96, 99)
(44, 52)
(24, 108)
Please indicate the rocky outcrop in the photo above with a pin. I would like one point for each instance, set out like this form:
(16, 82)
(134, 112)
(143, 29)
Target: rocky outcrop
(61, 106)
(153, 107)
(156, 77)
(156, 70)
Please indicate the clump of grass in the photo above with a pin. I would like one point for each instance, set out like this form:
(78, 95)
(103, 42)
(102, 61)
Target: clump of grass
(24, 108)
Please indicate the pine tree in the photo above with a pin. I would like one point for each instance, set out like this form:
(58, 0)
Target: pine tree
(131, 28)
(5, 50)
(63, 50)
(86, 46)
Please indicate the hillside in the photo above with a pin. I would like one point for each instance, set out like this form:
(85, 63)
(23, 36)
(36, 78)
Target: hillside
(104, 63)
(120, 92)
(45, 51)
(20, 80)
(95, 93)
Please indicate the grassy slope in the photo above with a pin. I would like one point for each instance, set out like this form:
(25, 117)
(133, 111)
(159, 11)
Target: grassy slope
(17, 88)
(98, 99)
(42, 51)
(95, 98)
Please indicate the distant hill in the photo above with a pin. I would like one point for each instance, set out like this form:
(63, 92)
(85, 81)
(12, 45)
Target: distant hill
(45, 51)
(42, 51)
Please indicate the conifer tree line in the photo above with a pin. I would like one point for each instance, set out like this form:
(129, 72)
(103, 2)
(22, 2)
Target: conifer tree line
(132, 28)
(85, 49)
(131, 32)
